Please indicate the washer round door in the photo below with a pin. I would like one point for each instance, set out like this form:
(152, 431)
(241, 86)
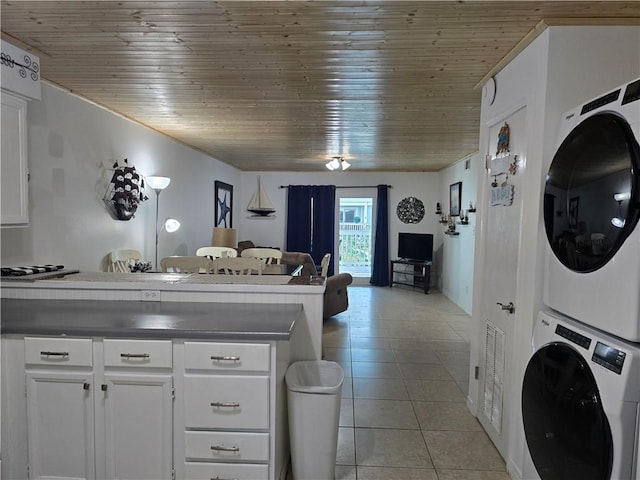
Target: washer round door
(592, 194)
(566, 428)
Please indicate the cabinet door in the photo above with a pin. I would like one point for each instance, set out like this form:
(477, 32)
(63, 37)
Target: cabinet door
(138, 426)
(14, 205)
(60, 425)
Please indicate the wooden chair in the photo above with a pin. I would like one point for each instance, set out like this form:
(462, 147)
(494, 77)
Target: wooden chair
(324, 264)
(119, 260)
(216, 252)
(186, 264)
(267, 255)
(237, 265)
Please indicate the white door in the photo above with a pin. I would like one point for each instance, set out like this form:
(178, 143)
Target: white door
(138, 426)
(499, 280)
(60, 425)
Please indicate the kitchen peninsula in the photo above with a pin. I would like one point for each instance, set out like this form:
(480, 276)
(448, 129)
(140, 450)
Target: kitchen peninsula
(185, 371)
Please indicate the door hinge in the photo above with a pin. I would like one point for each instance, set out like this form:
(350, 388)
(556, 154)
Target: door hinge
(476, 372)
(173, 474)
(103, 387)
(173, 393)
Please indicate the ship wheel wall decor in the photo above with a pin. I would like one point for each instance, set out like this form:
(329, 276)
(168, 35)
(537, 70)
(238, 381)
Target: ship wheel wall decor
(410, 210)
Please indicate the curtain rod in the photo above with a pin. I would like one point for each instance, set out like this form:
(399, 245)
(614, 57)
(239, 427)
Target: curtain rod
(351, 186)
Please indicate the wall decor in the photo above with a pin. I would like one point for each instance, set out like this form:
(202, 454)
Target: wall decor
(124, 192)
(455, 198)
(574, 203)
(410, 210)
(502, 195)
(224, 204)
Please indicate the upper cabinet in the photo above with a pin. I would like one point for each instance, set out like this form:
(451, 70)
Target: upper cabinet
(20, 83)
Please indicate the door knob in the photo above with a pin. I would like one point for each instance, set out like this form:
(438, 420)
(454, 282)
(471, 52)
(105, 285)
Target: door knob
(508, 307)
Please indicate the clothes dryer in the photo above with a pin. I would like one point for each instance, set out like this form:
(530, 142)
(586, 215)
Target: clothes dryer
(580, 400)
(591, 210)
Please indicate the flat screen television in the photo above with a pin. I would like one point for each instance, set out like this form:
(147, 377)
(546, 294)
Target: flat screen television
(415, 246)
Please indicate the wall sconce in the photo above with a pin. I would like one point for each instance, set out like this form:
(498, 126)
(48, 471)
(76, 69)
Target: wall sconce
(337, 163)
(618, 221)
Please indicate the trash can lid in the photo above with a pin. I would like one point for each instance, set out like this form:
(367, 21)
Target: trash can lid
(315, 376)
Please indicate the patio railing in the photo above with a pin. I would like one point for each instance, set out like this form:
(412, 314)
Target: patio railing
(355, 245)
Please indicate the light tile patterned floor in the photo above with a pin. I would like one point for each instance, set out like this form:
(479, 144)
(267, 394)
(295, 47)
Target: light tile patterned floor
(403, 412)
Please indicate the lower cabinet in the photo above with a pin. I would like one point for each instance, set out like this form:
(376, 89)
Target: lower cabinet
(142, 409)
(60, 416)
(111, 421)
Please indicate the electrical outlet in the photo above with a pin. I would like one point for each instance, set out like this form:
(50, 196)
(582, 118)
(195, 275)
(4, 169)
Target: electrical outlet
(150, 295)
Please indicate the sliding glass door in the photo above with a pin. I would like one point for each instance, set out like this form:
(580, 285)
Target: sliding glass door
(355, 219)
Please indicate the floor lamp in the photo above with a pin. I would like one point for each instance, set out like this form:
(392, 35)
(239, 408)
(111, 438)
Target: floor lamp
(158, 184)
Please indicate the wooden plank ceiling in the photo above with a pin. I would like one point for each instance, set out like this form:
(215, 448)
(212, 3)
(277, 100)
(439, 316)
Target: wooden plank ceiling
(284, 86)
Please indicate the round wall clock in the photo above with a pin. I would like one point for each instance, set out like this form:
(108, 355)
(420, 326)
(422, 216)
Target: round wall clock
(410, 210)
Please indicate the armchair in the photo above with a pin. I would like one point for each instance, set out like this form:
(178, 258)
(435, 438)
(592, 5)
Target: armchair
(336, 299)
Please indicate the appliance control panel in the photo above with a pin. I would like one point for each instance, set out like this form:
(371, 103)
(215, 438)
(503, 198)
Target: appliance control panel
(609, 357)
(575, 337)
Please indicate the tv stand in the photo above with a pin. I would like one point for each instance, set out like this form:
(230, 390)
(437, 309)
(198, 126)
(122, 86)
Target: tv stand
(420, 273)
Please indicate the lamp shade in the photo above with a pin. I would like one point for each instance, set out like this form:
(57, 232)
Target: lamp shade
(224, 237)
(158, 183)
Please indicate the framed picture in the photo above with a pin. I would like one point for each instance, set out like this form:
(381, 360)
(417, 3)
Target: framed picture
(224, 205)
(455, 199)
(574, 203)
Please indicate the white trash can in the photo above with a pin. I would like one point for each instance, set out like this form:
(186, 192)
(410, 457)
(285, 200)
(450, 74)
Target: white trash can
(314, 391)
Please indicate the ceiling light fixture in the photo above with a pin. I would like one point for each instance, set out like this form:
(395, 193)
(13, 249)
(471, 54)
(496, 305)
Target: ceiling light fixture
(337, 163)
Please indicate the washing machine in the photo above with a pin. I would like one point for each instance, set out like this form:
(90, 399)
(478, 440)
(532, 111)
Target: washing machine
(591, 210)
(580, 402)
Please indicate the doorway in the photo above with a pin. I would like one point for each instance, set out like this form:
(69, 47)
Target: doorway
(354, 239)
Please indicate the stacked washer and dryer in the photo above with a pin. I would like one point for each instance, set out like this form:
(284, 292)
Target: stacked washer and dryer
(581, 388)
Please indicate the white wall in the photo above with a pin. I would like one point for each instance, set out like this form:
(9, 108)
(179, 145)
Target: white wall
(457, 252)
(69, 140)
(272, 232)
(562, 68)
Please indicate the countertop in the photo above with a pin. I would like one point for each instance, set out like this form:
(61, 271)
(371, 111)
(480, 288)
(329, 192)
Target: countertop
(188, 320)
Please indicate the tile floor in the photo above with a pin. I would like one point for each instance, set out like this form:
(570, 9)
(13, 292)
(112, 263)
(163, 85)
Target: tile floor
(403, 414)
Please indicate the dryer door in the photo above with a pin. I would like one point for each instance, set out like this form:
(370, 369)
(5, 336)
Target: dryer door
(591, 197)
(566, 428)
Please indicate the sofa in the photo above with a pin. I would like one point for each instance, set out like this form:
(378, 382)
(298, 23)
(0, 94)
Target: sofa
(336, 299)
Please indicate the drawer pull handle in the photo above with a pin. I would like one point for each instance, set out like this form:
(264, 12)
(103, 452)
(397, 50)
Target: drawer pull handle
(222, 448)
(225, 405)
(54, 354)
(224, 357)
(218, 478)
(135, 355)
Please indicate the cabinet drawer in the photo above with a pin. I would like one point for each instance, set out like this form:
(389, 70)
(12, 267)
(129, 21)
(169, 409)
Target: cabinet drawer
(75, 352)
(208, 471)
(226, 402)
(226, 356)
(227, 446)
(138, 353)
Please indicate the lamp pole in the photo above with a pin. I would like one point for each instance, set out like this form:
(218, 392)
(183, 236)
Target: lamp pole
(158, 184)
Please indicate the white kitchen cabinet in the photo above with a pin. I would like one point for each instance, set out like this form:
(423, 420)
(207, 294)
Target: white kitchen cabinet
(226, 410)
(14, 202)
(138, 423)
(60, 424)
(99, 416)
(138, 408)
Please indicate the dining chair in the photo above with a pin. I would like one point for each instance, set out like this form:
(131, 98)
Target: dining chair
(267, 255)
(186, 264)
(324, 264)
(119, 260)
(216, 252)
(237, 265)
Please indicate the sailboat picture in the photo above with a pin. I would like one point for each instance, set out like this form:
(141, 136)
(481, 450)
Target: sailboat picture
(260, 203)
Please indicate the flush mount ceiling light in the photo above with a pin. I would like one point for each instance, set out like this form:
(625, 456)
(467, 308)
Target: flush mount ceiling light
(337, 163)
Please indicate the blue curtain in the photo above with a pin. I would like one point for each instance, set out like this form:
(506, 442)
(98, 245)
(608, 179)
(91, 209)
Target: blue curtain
(324, 222)
(380, 269)
(311, 220)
